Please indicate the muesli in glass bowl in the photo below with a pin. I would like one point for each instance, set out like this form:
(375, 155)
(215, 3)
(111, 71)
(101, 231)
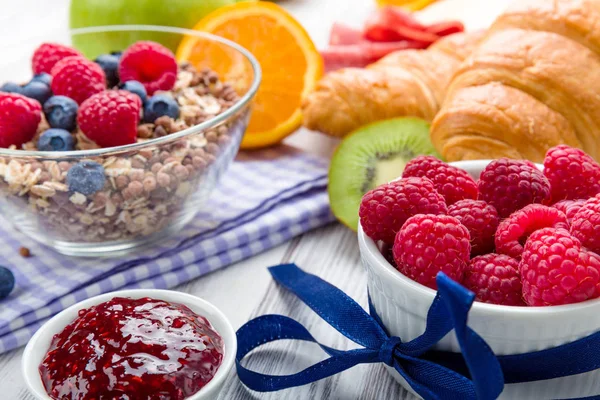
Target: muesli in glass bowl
(105, 152)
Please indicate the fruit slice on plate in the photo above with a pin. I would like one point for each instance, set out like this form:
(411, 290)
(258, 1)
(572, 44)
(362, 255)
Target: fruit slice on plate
(370, 156)
(290, 64)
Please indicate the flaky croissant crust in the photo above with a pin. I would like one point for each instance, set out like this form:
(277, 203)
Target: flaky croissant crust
(404, 83)
(494, 120)
(541, 55)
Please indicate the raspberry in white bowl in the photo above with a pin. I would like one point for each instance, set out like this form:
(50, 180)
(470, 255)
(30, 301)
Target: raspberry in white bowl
(543, 294)
(500, 213)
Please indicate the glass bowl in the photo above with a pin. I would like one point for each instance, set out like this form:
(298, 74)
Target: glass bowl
(152, 187)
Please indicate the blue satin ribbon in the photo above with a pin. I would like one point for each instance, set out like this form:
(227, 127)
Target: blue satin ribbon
(475, 373)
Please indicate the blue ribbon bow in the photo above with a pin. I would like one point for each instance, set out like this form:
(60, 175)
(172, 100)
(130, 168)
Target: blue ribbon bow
(476, 374)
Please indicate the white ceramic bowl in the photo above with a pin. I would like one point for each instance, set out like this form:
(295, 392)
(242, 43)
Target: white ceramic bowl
(40, 342)
(402, 305)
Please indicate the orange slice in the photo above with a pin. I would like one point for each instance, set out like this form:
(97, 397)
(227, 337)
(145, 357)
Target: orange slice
(290, 63)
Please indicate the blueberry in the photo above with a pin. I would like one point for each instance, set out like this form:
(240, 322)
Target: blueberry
(110, 65)
(7, 282)
(136, 88)
(55, 139)
(86, 177)
(11, 87)
(61, 112)
(116, 53)
(44, 78)
(38, 91)
(160, 105)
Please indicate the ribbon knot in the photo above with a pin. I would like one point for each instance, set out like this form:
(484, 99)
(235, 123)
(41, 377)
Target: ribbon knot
(475, 373)
(386, 351)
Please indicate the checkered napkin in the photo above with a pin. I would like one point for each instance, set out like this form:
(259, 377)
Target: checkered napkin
(264, 199)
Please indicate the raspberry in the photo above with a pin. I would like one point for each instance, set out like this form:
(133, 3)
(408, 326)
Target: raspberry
(572, 173)
(384, 209)
(530, 163)
(556, 269)
(453, 183)
(19, 119)
(149, 63)
(77, 78)
(110, 118)
(494, 278)
(510, 185)
(512, 233)
(48, 54)
(428, 244)
(481, 219)
(569, 207)
(586, 224)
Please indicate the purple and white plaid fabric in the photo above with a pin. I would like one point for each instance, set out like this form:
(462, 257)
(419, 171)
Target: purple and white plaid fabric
(264, 199)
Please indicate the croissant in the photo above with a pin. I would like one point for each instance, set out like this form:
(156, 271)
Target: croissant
(458, 46)
(494, 119)
(531, 83)
(404, 83)
(575, 19)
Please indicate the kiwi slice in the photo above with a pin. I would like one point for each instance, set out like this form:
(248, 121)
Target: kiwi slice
(370, 156)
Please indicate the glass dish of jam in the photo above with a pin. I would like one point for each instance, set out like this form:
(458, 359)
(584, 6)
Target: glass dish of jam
(132, 349)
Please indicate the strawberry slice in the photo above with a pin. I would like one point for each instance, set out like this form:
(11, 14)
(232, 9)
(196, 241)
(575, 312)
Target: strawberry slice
(446, 28)
(344, 34)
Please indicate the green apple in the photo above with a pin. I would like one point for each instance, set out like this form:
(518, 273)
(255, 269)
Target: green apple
(180, 13)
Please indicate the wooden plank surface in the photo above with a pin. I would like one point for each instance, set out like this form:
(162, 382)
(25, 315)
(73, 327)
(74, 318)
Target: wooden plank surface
(331, 253)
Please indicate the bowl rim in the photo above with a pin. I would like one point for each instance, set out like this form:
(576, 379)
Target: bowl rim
(209, 123)
(370, 250)
(30, 362)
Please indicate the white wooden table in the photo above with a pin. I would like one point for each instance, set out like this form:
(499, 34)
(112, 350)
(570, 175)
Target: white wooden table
(245, 289)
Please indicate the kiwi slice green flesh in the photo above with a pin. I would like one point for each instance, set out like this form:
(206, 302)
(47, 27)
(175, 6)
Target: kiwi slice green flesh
(370, 156)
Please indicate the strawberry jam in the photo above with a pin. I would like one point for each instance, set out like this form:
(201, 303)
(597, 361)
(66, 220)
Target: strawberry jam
(126, 349)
